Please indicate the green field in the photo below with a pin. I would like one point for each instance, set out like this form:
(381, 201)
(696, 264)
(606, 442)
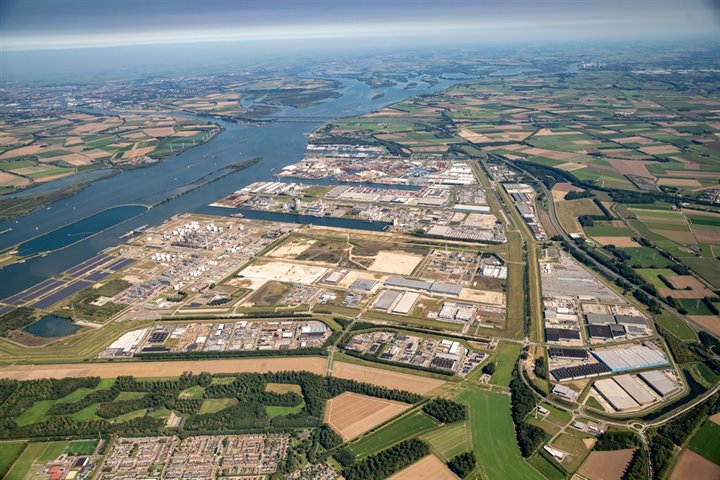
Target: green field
(493, 437)
(694, 306)
(708, 268)
(449, 440)
(646, 257)
(193, 392)
(34, 457)
(8, 452)
(506, 358)
(546, 467)
(408, 426)
(707, 442)
(675, 326)
(212, 405)
(651, 275)
(604, 228)
(81, 447)
(274, 411)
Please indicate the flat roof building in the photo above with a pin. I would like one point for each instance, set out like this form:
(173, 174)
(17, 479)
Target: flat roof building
(660, 382)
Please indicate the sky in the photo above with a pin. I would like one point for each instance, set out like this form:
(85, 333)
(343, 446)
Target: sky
(27, 25)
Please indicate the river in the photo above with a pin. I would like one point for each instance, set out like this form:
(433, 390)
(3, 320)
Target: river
(280, 143)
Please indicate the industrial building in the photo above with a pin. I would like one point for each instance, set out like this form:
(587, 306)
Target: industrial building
(614, 394)
(660, 382)
(561, 353)
(623, 359)
(386, 299)
(564, 392)
(440, 288)
(635, 389)
(580, 371)
(126, 345)
(561, 335)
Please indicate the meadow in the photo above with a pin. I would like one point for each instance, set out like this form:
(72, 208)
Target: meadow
(408, 426)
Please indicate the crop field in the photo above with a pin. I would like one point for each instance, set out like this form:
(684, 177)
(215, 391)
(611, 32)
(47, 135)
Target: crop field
(385, 378)
(408, 426)
(707, 441)
(427, 468)
(493, 437)
(283, 388)
(352, 414)
(8, 452)
(165, 369)
(608, 465)
(34, 457)
(692, 465)
(568, 212)
(448, 441)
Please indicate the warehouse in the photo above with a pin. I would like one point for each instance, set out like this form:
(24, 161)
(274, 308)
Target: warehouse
(568, 353)
(564, 392)
(363, 285)
(618, 398)
(634, 357)
(440, 288)
(660, 382)
(599, 332)
(561, 335)
(635, 389)
(406, 303)
(599, 319)
(631, 320)
(386, 300)
(126, 344)
(580, 371)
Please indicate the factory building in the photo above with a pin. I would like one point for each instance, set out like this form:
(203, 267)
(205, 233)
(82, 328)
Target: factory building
(660, 382)
(635, 357)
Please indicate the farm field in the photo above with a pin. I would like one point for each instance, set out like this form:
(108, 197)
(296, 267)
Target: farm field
(707, 441)
(493, 437)
(692, 465)
(212, 405)
(164, 369)
(427, 468)
(606, 465)
(448, 441)
(568, 212)
(405, 427)
(352, 414)
(385, 378)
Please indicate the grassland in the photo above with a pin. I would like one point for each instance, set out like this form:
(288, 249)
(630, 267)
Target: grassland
(34, 457)
(9, 451)
(707, 442)
(275, 411)
(408, 426)
(448, 441)
(506, 358)
(547, 467)
(81, 447)
(212, 405)
(675, 326)
(493, 437)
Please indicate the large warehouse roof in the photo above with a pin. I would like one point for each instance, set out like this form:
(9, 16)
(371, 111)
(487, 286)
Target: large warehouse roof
(630, 358)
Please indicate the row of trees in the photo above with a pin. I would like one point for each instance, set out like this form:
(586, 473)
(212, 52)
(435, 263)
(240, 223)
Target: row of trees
(463, 464)
(385, 463)
(523, 402)
(446, 411)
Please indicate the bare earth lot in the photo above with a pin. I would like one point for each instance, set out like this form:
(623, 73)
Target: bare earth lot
(428, 468)
(352, 414)
(608, 465)
(692, 465)
(385, 378)
(315, 365)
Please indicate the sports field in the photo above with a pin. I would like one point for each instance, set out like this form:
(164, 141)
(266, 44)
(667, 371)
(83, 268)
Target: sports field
(408, 426)
(493, 437)
(352, 414)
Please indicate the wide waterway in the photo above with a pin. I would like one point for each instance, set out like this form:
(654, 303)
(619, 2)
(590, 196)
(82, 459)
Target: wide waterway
(279, 143)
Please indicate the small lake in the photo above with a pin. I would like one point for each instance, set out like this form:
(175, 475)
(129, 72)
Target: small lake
(74, 232)
(52, 326)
